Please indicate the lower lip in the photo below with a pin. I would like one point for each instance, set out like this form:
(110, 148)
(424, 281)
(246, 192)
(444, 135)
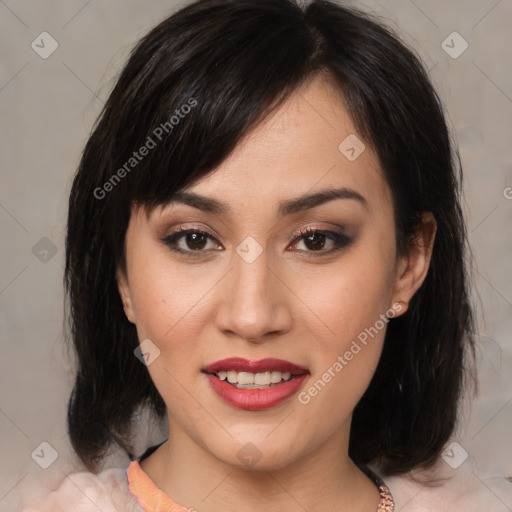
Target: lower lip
(255, 399)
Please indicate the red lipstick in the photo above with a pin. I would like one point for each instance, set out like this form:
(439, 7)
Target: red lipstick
(255, 399)
(263, 365)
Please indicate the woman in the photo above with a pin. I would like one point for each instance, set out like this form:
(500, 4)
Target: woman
(265, 246)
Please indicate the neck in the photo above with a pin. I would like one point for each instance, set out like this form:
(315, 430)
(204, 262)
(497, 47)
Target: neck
(324, 479)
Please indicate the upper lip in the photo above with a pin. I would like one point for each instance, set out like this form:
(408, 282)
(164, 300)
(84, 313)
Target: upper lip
(239, 364)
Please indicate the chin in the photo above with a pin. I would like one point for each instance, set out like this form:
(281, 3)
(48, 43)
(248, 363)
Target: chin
(258, 455)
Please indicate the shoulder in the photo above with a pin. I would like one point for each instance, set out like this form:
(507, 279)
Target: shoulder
(86, 492)
(445, 489)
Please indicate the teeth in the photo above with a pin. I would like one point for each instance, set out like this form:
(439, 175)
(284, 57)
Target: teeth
(262, 378)
(245, 378)
(254, 380)
(232, 377)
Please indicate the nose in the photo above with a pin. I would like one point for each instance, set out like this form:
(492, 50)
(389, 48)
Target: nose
(254, 303)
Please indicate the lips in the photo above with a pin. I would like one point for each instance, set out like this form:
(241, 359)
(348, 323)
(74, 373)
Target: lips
(239, 364)
(254, 399)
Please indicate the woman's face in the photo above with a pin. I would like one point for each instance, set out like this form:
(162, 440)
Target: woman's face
(255, 288)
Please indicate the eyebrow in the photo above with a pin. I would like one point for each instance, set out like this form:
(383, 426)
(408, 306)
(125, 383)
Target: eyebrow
(286, 207)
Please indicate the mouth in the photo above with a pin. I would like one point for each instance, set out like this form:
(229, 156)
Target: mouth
(263, 374)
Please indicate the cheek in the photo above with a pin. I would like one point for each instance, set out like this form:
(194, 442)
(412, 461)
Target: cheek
(166, 296)
(345, 361)
(352, 302)
(168, 305)
(352, 294)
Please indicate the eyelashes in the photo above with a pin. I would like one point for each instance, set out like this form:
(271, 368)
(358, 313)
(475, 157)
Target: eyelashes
(316, 236)
(172, 240)
(194, 241)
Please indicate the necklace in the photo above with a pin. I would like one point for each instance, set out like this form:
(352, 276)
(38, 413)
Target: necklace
(386, 503)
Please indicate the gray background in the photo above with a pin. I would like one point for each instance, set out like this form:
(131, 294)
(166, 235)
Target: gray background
(48, 107)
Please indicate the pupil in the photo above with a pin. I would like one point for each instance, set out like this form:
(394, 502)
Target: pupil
(316, 245)
(194, 241)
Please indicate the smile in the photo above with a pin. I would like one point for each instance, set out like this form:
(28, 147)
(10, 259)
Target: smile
(255, 385)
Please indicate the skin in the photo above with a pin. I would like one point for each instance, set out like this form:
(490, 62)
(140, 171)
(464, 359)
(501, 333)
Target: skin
(286, 304)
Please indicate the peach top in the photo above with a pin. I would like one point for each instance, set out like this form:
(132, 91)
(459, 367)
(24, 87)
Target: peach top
(151, 498)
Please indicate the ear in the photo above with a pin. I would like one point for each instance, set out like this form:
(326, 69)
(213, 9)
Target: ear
(412, 268)
(124, 292)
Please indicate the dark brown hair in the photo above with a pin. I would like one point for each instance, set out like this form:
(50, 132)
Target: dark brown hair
(232, 63)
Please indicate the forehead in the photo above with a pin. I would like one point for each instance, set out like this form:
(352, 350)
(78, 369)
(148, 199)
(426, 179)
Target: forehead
(305, 146)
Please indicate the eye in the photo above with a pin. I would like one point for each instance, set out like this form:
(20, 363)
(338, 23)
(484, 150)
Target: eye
(315, 240)
(193, 242)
